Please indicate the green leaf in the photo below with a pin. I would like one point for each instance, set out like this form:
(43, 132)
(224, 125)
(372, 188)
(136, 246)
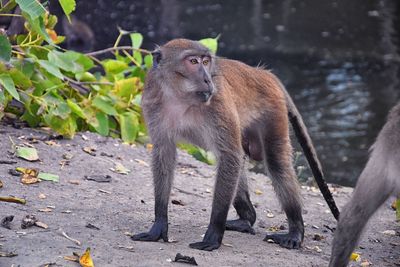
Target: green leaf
(103, 126)
(8, 84)
(136, 39)
(85, 77)
(126, 87)
(9, 6)
(38, 26)
(68, 6)
(30, 114)
(199, 153)
(48, 177)
(129, 124)
(84, 61)
(33, 7)
(148, 61)
(19, 78)
(65, 127)
(104, 104)
(5, 48)
(28, 153)
(51, 68)
(114, 66)
(61, 110)
(76, 109)
(26, 66)
(65, 60)
(210, 43)
(2, 102)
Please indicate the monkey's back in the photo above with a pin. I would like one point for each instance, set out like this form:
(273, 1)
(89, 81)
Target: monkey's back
(253, 90)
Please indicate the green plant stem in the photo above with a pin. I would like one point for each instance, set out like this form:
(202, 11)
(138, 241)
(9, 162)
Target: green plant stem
(83, 83)
(130, 57)
(10, 15)
(30, 45)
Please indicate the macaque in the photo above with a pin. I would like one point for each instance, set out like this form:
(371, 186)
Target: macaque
(233, 110)
(378, 181)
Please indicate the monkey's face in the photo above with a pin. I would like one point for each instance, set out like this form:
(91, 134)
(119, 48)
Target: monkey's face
(195, 76)
(186, 67)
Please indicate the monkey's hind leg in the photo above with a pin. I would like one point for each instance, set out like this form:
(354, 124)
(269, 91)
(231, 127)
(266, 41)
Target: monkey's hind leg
(288, 191)
(244, 208)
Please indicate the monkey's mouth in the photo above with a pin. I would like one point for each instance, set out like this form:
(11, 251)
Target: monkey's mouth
(204, 95)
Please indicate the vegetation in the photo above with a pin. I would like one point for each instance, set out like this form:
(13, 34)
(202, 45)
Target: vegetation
(45, 85)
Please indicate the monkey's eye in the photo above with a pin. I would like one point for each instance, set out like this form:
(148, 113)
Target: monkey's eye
(205, 62)
(194, 61)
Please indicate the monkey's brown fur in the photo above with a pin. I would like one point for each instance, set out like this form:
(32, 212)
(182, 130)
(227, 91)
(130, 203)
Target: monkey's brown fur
(231, 109)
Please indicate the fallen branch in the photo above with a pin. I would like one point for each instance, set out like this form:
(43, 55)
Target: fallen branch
(70, 238)
(2, 161)
(187, 192)
(13, 200)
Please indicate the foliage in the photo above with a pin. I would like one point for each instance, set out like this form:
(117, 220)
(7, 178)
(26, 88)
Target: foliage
(66, 90)
(45, 85)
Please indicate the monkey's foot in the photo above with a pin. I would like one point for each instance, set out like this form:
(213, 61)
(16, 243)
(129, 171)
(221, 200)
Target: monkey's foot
(208, 246)
(157, 231)
(240, 225)
(212, 239)
(290, 240)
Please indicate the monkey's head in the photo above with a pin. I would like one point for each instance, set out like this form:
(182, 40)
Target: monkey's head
(186, 68)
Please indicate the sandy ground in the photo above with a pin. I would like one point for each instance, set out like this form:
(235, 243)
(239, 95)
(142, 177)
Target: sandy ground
(125, 206)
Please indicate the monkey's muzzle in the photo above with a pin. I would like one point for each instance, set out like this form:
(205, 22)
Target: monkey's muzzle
(204, 95)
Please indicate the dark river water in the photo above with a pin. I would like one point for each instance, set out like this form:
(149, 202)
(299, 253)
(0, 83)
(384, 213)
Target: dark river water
(338, 59)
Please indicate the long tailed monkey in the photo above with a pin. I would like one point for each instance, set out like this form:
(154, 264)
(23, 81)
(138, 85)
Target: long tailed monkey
(231, 109)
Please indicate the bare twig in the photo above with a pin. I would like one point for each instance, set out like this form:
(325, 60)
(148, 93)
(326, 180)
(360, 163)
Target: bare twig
(70, 238)
(99, 83)
(117, 48)
(13, 200)
(187, 192)
(80, 85)
(4, 161)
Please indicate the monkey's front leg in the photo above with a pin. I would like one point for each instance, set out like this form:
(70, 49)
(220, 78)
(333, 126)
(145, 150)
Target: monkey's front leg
(227, 177)
(163, 164)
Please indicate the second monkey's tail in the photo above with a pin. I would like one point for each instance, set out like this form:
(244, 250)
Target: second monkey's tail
(306, 144)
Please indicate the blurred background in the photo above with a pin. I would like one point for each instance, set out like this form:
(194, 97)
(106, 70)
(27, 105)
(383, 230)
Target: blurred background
(338, 59)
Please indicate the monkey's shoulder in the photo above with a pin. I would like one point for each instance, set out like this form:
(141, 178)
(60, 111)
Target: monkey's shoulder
(252, 83)
(230, 65)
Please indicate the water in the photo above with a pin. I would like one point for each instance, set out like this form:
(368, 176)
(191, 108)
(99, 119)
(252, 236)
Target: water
(339, 60)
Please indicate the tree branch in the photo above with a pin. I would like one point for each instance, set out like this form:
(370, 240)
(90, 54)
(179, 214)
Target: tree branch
(117, 48)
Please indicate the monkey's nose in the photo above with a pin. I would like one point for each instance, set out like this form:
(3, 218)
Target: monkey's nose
(204, 95)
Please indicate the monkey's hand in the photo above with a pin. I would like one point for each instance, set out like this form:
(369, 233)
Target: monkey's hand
(212, 240)
(240, 225)
(291, 240)
(158, 230)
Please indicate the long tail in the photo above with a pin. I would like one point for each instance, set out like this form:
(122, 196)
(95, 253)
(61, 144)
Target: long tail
(304, 139)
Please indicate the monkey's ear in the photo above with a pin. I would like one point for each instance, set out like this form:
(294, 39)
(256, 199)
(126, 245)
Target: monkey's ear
(156, 57)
